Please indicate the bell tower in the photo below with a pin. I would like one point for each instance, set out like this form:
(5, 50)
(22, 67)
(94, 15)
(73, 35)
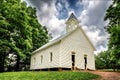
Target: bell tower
(72, 23)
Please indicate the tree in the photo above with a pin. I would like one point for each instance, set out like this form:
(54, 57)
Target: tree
(20, 31)
(102, 60)
(113, 28)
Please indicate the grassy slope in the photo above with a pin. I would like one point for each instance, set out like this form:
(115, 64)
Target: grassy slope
(47, 76)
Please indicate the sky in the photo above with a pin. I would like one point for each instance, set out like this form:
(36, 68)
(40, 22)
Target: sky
(54, 13)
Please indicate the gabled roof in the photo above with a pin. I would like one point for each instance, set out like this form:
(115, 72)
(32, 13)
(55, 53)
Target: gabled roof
(88, 39)
(60, 38)
(52, 42)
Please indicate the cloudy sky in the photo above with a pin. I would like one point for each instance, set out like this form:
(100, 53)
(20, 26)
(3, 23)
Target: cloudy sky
(54, 13)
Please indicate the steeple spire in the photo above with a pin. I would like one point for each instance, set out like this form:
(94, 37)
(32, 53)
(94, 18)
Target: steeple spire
(71, 23)
(72, 16)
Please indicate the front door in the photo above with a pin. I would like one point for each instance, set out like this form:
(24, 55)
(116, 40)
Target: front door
(73, 61)
(85, 60)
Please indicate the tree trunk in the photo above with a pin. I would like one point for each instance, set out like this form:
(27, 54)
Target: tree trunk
(114, 69)
(2, 61)
(18, 63)
(1, 65)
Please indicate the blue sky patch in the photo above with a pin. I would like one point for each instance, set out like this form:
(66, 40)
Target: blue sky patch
(64, 6)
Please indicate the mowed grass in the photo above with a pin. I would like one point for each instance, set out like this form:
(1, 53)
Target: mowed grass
(42, 75)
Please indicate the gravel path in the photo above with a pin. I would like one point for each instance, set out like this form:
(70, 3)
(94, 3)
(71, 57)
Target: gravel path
(107, 75)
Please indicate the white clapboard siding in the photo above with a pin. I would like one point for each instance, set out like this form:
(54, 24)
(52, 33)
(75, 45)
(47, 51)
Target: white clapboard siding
(46, 63)
(78, 43)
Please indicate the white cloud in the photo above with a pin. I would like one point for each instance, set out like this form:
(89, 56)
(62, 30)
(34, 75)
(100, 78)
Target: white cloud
(96, 39)
(101, 49)
(92, 21)
(47, 17)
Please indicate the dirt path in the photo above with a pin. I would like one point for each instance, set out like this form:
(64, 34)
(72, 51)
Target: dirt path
(107, 75)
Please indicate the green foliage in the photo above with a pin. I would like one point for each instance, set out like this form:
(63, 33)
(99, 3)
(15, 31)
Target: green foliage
(103, 60)
(48, 76)
(113, 14)
(113, 28)
(114, 36)
(20, 31)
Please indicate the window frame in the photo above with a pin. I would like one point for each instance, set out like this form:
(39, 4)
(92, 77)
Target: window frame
(51, 56)
(41, 59)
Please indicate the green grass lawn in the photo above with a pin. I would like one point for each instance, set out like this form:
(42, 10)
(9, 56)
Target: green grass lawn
(37, 75)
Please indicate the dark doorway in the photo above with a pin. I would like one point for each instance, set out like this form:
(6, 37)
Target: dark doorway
(73, 61)
(85, 59)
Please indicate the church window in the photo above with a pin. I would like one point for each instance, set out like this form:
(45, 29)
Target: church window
(34, 61)
(51, 56)
(41, 58)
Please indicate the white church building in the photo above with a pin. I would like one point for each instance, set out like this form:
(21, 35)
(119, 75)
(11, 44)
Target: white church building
(72, 51)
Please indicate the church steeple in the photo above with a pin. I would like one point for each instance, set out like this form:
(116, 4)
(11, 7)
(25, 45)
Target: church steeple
(71, 23)
(72, 16)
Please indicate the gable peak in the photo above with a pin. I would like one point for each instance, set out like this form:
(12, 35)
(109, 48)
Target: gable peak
(72, 16)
